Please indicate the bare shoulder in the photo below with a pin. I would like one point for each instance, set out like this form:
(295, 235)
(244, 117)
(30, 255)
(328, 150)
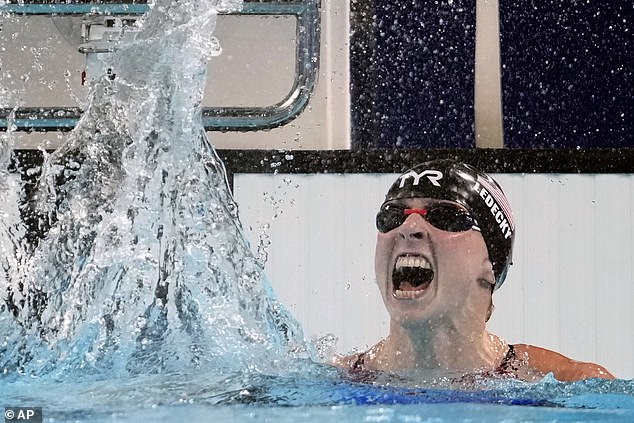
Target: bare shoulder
(563, 368)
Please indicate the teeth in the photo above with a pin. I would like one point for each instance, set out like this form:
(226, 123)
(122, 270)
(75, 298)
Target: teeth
(412, 276)
(410, 261)
(408, 294)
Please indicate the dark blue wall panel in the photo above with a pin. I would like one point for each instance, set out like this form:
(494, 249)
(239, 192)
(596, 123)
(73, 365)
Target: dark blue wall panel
(568, 73)
(412, 72)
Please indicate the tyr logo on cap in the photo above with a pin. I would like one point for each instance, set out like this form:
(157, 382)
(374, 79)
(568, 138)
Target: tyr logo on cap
(433, 175)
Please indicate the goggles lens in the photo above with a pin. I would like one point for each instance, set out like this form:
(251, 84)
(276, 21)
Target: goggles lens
(443, 216)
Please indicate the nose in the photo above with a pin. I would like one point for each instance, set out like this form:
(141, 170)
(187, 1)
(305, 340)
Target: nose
(414, 227)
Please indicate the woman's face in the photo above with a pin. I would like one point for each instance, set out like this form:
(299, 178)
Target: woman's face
(426, 273)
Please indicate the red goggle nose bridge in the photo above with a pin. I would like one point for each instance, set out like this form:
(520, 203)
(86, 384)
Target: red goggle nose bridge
(422, 212)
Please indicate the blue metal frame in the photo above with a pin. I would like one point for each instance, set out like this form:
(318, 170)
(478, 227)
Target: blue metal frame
(75, 9)
(248, 8)
(306, 13)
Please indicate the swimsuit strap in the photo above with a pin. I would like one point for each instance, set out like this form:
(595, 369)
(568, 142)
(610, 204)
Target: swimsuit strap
(507, 362)
(359, 363)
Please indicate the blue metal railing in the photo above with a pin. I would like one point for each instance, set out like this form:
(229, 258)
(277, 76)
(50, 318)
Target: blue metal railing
(306, 13)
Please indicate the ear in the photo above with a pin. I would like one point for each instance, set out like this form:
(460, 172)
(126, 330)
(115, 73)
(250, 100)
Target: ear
(486, 278)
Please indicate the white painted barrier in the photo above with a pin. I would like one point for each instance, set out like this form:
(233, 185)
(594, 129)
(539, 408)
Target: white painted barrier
(570, 287)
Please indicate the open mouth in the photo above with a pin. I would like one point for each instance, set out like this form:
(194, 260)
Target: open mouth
(411, 276)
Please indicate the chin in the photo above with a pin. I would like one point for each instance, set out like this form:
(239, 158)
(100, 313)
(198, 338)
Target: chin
(406, 312)
(412, 320)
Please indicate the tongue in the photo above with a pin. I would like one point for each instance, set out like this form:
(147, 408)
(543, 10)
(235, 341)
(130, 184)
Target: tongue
(412, 286)
(412, 279)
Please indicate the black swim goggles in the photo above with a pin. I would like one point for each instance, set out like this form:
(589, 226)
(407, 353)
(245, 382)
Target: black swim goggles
(444, 216)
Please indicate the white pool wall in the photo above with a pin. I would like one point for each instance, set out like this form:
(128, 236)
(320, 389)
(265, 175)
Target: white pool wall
(570, 288)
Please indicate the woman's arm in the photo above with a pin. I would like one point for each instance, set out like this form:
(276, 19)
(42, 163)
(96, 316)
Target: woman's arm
(563, 368)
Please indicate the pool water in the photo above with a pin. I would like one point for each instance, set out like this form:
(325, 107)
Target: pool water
(144, 264)
(317, 393)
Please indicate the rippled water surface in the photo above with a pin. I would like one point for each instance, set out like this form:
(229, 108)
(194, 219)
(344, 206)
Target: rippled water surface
(316, 393)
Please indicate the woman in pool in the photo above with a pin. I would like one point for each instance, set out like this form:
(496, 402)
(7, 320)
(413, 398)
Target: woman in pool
(444, 246)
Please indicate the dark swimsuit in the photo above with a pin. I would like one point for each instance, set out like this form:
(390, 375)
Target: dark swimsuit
(508, 364)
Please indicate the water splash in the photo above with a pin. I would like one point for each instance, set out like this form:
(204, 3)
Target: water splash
(145, 268)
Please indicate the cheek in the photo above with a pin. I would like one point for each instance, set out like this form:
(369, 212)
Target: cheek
(463, 255)
(384, 247)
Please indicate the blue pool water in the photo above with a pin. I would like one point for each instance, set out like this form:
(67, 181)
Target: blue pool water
(316, 394)
(145, 303)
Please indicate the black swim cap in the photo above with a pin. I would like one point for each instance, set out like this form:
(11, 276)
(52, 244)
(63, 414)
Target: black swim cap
(477, 192)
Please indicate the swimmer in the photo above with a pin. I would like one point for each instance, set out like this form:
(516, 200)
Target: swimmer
(444, 245)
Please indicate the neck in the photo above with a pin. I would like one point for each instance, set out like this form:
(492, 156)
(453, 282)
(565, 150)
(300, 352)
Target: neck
(441, 345)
